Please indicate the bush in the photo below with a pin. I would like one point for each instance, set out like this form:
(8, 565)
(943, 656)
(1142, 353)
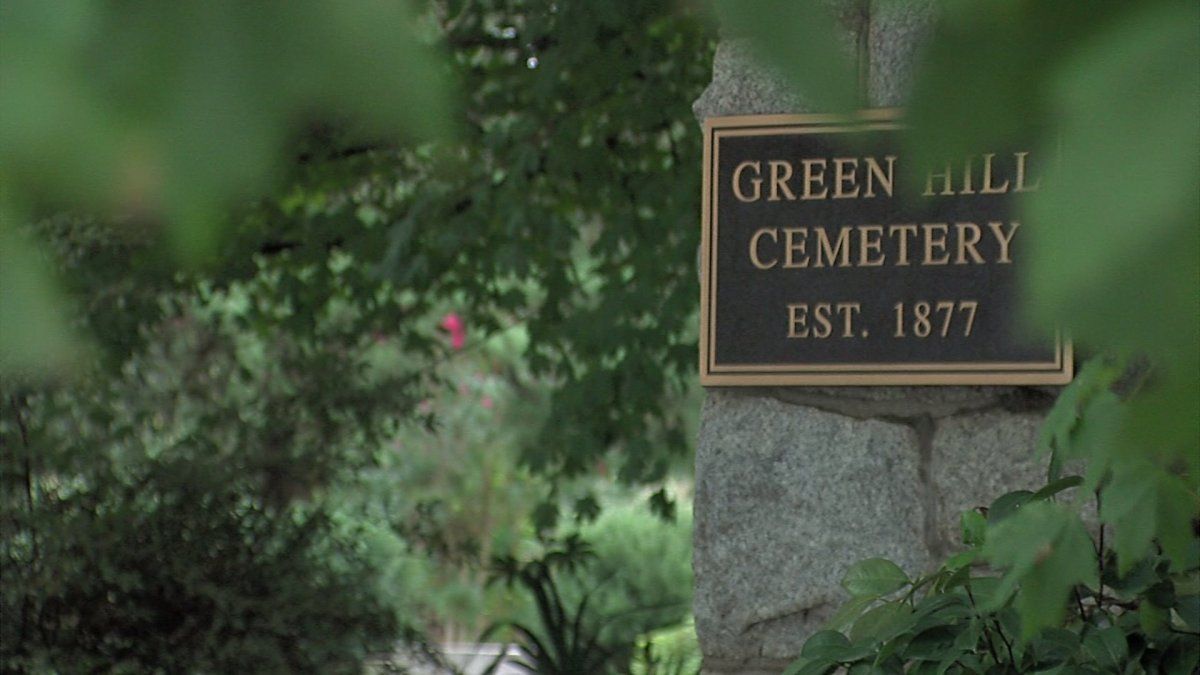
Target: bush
(177, 515)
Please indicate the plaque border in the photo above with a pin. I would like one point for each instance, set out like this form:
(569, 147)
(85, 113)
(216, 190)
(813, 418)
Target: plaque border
(1058, 371)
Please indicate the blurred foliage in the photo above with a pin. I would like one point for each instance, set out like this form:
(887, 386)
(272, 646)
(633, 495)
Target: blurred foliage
(168, 112)
(670, 651)
(162, 117)
(453, 489)
(457, 493)
(177, 514)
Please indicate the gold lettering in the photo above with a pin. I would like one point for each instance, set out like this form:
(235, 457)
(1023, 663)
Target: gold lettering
(824, 328)
(781, 171)
(968, 179)
(967, 243)
(1021, 187)
(832, 251)
(790, 247)
(754, 259)
(848, 310)
(813, 177)
(868, 244)
(1004, 240)
(947, 187)
(875, 172)
(756, 182)
(906, 231)
(798, 318)
(988, 188)
(938, 243)
(841, 178)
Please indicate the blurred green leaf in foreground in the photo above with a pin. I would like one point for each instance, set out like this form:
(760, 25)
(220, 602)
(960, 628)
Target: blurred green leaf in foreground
(166, 113)
(1112, 90)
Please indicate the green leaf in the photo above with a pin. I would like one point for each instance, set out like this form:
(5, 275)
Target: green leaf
(968, 639)
(36, 336)
(1188, 608)
(1055, 432)
(1046, 551)
(545, 515)
(1161, 594)
(1095, 440)
(1055, 644)
(961, 564)
(887, 650)
(983, 72)
(1129, 93)
(882, 623)
(1129, 96)
(1085, 420)
(1134, 581)
(825, 644)
(1153, 619)
(1056, 487)
(1161, 423)
(933, 644)
(1107, 647)
(1182, 657)
(1006, 505)
(940, 607)
(849, 611)
(1143, 502)
(961, 561)
(973, 526)
(587, 509)
(874, 577)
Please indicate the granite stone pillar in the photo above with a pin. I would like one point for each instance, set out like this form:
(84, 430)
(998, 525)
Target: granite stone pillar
(794, 484)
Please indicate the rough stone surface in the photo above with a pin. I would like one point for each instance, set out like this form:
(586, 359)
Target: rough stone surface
(976, 458)
(741, 87)
(906, 402)
(787, 498)
(896, 31)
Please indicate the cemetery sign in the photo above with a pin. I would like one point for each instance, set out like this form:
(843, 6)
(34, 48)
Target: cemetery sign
(822, 265)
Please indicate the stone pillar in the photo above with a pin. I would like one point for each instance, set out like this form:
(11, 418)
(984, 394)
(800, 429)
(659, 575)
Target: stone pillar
(795, 484)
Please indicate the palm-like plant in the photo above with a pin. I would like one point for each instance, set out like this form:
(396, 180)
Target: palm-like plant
(568, 642)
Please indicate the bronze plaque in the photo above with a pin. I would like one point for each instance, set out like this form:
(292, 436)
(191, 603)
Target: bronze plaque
(822, 265)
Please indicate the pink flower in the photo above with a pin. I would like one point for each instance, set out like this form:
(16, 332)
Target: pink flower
(454, 325)
(487, 402)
